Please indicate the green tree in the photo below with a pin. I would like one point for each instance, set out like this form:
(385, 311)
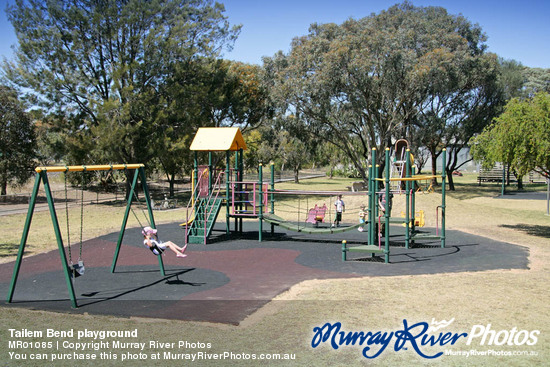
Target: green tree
(512, 78)
(262, 146)
(463, 97)
(17, 141)
(205, 92)
(520, 137)
(363, 84)
(99, 65)
(536, 80)
(281, 142)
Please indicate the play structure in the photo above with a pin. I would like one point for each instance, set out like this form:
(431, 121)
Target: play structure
(243, 199)
(379, 215)
(255, 199)
(73, 270)
(213, 188)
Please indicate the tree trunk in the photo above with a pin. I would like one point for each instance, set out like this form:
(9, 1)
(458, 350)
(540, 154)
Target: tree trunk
(296, 175)
(450, 180)
(434, 167)
(172, 182)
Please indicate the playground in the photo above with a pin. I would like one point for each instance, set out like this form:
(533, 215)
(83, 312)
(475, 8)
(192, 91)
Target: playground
(275, 287)
(231, 278)
(280, 307)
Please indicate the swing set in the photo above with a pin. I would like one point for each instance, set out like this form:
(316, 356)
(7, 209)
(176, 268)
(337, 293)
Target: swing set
(70, 270)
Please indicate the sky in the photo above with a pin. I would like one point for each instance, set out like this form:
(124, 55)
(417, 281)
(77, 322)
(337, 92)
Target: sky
(516, 29)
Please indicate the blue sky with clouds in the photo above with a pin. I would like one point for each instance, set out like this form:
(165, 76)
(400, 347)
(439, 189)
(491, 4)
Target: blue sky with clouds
(518, 30)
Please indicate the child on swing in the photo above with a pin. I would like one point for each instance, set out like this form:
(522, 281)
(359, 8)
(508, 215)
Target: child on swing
(157, 247)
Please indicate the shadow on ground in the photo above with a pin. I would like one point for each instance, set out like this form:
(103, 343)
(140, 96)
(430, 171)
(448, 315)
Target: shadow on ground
(8, 250)
(533, 230)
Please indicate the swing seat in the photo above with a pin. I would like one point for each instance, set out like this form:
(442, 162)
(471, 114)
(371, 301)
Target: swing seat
(78, 269)
(156, 248)
(316, 215)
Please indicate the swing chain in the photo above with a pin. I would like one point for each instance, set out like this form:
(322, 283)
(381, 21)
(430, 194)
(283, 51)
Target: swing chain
(67, 216)
(139, 204)
(82, 211)
(78, 269)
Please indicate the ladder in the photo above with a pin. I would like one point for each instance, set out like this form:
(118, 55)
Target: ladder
(206, 213)
(205, 209)
(399, 164)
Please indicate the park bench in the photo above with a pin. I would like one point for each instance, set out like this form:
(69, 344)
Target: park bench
(493, 175)
(164, 204)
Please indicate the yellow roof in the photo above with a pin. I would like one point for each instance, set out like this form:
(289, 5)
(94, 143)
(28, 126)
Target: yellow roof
(218, 139)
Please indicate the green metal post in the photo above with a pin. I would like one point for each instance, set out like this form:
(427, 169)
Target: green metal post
(413, 203)
(124, 221)
(387, 210)
(369, 210)
(261, 198)
(344, 250)
(241, 172)
(272, 196)
(227, 193)
(443, 193)
(24, 236)
(196, 177)
(210, 174)
(59, 238)
(413, 206)
(141, 172)
(237, 187)
(372, 212)
(376, 207)
(408, 197)
(241, 161)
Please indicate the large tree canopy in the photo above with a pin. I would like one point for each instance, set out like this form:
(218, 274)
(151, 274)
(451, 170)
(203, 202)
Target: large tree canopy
(520, 137)
(367, 82)
(17, 141)
(100, 64)
(205, 92)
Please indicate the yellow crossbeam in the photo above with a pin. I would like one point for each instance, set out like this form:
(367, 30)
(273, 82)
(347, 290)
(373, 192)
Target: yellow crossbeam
(103, 167)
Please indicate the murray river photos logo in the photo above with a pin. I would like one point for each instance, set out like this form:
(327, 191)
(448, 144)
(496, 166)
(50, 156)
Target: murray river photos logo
(419, 337)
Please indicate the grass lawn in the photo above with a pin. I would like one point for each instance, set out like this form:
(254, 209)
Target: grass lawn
(506, 299)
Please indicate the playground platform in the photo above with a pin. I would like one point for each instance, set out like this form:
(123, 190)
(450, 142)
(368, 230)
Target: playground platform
(230, 278)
